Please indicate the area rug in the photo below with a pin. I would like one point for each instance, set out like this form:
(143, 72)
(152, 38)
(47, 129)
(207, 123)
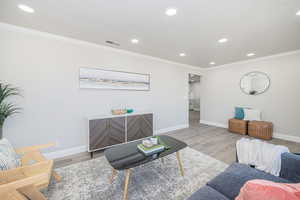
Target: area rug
(89, 180)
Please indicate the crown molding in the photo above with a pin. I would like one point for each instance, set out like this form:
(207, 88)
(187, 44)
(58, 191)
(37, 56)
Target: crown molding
(264, 58)
(15, 28)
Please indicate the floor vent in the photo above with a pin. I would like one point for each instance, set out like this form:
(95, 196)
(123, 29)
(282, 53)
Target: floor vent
(112, 43)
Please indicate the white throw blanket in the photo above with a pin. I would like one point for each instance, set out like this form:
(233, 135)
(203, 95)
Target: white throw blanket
(264, 156)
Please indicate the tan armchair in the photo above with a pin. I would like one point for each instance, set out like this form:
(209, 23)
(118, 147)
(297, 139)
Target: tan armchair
(27, 180)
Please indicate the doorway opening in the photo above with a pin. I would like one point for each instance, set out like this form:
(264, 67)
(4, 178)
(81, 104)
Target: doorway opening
(194, 99)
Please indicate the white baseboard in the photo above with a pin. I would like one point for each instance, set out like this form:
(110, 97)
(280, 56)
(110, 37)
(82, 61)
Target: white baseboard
(275, 135)
(81, 149)
(286, 137)
(214, 124)
(173, 128)
(65, 152)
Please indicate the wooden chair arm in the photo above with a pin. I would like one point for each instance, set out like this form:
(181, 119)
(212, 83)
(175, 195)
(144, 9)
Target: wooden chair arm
(12, 175)
(31, 192)
(32, 157)
(23, 182)
(11, 195)
(19, 190)
(24, 150)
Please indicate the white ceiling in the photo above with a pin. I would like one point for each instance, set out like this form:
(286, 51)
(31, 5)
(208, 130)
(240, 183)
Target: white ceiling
(264, 27)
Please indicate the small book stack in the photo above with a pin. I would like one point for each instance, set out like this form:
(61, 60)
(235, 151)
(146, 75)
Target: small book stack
(148, 151)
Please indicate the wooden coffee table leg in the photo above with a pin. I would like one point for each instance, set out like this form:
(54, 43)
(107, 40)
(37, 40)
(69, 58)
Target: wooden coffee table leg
(56, 176)
(179, 163)
(113, 174)
(127, 175)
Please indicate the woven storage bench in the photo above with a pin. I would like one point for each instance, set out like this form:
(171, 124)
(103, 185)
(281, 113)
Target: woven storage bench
(238, 126)
(260, 129)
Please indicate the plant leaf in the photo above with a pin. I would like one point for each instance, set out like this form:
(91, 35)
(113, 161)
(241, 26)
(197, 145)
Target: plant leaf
(6, 90)
(7, 109)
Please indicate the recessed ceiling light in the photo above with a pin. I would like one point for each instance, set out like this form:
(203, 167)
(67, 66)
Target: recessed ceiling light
(298, 13)
(250, 54)
(223, 40)
(182, 54)
(171, 11)
(26, 8)
(134, 41)
(212, 63)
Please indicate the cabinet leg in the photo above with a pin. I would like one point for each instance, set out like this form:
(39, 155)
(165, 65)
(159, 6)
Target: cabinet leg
(92, 155)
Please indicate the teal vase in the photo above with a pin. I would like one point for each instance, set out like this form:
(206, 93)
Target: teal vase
(129, 110)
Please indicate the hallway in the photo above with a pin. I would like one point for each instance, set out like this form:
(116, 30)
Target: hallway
(194, 118)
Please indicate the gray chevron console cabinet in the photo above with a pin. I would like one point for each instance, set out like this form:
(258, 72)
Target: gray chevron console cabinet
(106, 131)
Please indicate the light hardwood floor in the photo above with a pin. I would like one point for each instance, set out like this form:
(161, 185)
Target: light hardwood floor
(194, 117)
(214, 141)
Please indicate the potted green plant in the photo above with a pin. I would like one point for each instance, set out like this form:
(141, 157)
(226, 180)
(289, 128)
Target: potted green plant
(6, 109)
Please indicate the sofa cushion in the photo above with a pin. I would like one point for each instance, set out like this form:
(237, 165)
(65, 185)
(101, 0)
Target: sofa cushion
(207, 193)
(262, 189)
(235, 176)
(290, 167)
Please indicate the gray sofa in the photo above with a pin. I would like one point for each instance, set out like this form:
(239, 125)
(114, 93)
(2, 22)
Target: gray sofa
(227, 185)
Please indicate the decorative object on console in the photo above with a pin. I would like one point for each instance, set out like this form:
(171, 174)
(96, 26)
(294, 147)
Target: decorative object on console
(252, 114)
(129, 110)
(255, 83)
(238, 126)
(118, 111)
(260, 129)
(114, 80)
(6, 109)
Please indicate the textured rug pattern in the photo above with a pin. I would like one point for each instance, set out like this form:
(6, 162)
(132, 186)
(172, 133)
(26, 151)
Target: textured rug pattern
(89, 180)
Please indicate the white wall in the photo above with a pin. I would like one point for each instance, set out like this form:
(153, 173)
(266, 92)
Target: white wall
(46, 68)
(220, 92)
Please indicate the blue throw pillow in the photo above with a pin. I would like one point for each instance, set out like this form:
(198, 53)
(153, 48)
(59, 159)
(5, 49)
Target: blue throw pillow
(290, 167)
(239, 113)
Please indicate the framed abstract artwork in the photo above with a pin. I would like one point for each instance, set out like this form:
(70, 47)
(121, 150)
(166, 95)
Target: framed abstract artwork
(94, 78)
